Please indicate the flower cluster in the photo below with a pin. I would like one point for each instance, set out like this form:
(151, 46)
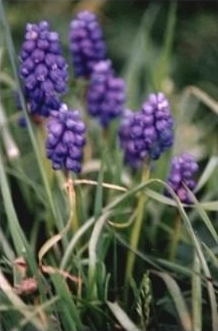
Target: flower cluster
(65, 139)
(43, 69)
(106, 93)
(146, 134)
(182, 170)
(86, 43)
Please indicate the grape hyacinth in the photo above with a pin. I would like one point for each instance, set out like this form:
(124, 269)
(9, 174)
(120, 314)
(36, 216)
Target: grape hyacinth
(146, 134)
(105, 94)
(182, 170)
(65, 139)
(86, 43)
(43, 69)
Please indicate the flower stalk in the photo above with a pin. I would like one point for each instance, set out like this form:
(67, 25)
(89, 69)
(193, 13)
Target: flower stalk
(73, 219)
(136, 230)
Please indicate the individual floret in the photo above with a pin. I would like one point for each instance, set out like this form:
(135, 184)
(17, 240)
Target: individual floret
(182, 170)
(86, 43)
(65, 139)
(146, 134)
(43, 69)
(106, 93)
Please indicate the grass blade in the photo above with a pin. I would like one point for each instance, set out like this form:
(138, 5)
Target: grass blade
(122, 317)
(17, 235)
(178, 300)
(140, 55)
(162, 66)
(69, 311)
(208, 171)
(204, 216)
(196, 295)
(92, 253)
(99, 192)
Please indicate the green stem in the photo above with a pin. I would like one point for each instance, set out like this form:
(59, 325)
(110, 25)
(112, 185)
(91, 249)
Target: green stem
(73, 219)
(175, 237)
(135, 234)
(49, 173)
(41, 137)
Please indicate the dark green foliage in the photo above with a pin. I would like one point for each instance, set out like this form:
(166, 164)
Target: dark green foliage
(63, 248)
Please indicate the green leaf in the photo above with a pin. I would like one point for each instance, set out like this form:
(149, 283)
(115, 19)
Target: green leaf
(211, 255)
(203, 97)
(203, 215)
(99, 192)
(77, 236)
(69, 311)
(178, 300)
(196, 295)
(162, 67)
(18, 238)
(122, 317)
(93, 259)
(208, 171)
(140, 55)
(210, 205)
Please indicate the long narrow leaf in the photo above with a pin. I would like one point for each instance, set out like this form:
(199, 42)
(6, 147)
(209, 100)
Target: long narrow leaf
(99, 192)
(93, 252)
(178, 300)
(203, 215)
(70, 313)
(208, 171)
(196, 295)
(21, 245)
(9, 253)
(18, 238)
(122, 317)
(164, 62)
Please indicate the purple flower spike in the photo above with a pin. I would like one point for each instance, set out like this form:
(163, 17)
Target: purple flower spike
(65, 139)
(86, 43)
(106, 93)
(43, 69)
(182, 170)
(148, 132)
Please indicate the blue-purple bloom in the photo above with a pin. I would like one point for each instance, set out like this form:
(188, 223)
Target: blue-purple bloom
(86, 43)
(146, 134)
(106, 93)
(182, 170)
(43, 69)
(65, 139)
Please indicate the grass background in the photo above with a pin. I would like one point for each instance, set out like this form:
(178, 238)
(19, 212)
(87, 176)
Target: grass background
(154, 46)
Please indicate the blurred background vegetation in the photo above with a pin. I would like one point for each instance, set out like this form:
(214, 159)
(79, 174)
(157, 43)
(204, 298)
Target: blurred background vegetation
(136, 36)
(195, 46)
(150, 47)
(151, 54)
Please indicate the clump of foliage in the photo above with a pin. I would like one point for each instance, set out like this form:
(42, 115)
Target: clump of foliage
(108, 195)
